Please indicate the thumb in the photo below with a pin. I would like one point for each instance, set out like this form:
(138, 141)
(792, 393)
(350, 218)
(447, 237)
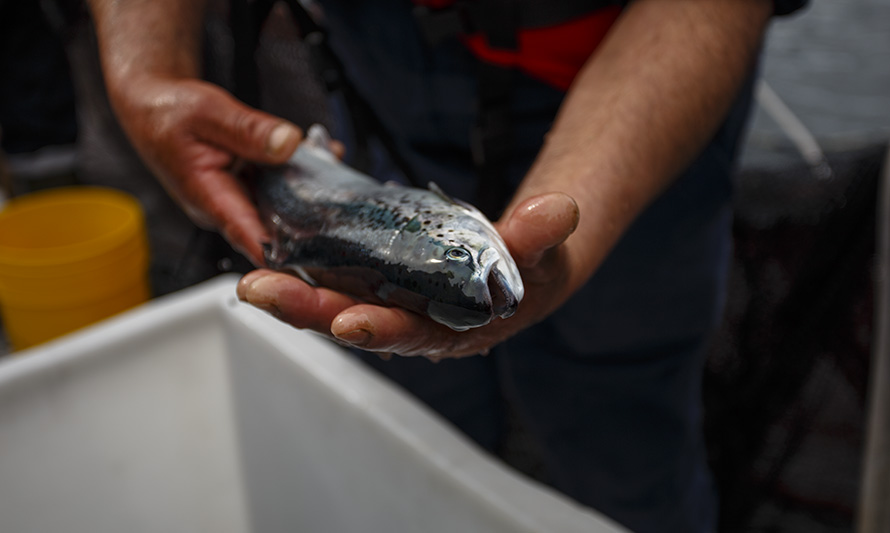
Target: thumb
(246, 132)
(539, 224)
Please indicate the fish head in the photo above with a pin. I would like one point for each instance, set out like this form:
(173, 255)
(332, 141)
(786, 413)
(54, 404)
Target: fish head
(460, 262)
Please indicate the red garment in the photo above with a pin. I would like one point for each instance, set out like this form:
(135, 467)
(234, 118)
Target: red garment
(553, 54)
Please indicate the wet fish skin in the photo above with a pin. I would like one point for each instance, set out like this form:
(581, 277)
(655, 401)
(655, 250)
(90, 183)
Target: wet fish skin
(385, 243)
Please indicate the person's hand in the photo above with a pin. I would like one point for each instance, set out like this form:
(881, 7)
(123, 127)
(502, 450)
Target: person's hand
(190, 134)
(535, 233)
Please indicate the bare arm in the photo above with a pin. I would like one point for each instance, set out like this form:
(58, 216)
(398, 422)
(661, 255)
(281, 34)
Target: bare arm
(155, 37)
(641, 110)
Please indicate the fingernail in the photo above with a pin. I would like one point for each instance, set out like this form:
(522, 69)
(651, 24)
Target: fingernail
(282, 136)
(245, 282)
(356, 337)
(554, 208)
(261, 293)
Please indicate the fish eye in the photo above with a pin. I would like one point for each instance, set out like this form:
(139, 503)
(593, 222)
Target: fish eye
(457, 254)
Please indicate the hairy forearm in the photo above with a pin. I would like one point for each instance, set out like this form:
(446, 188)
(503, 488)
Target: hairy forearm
(156, 37)
(642, 108)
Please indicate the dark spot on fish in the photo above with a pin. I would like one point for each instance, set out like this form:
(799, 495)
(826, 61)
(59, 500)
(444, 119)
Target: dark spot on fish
(413, 225)
(439, 226)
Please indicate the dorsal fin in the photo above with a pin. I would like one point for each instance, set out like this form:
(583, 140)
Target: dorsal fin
(440, 193)
(450, 199)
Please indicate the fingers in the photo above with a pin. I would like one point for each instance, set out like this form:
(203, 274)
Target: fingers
(395, 330)
(225, 129)
(338, 149)
(378, 329)
(292, 300)
(190, 132)
(244, 131)
(247, 133)
(537, 225)
(235, 215)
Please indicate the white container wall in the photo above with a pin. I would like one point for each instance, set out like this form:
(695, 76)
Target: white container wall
(198, 413)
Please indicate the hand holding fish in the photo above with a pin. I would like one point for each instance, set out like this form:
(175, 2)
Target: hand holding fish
(535, 233)
(190, 133)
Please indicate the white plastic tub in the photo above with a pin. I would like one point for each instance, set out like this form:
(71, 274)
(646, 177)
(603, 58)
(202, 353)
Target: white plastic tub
(197, 413)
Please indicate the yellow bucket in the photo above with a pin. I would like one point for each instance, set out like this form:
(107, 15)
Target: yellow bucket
(69, 257)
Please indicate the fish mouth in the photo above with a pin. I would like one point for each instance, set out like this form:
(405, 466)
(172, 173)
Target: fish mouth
(503, 300)
(497, 299)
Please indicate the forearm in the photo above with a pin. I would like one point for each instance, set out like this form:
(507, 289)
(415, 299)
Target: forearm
(641, 109)
(156, 37)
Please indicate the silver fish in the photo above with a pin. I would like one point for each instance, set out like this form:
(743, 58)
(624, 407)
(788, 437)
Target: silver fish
(385, 243)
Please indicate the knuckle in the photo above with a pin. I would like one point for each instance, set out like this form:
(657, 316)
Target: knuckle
(247, 130)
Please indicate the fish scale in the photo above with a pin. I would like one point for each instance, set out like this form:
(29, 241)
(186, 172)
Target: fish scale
(385, 243)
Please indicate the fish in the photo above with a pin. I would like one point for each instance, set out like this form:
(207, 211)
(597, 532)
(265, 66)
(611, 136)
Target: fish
(384, 243)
